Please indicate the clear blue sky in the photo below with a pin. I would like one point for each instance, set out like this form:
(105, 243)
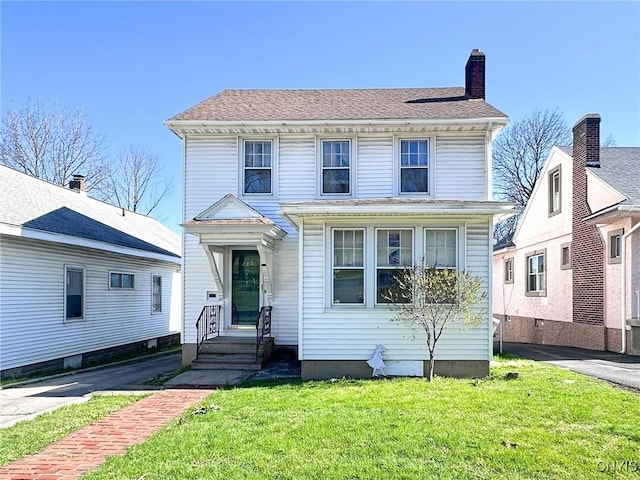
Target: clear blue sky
(133, 65)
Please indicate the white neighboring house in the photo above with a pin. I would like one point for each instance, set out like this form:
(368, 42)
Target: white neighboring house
(308, 201)
(79, 278)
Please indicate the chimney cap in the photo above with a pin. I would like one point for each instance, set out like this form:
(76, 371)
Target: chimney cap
(588, 116)
(476, 53)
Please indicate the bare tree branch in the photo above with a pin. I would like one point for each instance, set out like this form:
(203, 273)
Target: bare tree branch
(135, 180)
(519, 154)
(52, 143)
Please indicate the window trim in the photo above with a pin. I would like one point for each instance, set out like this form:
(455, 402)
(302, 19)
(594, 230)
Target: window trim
(122, 274)
(375, 258)
(613, 234)
(241, 163)
(543, 291)
(320, 167)
(82, 317)
(431, 166)
(153, 277)
(565, 266)
(557, 170)
(508, 279)
(363, 268)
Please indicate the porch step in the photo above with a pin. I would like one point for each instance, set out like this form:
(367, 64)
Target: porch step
(232, 353)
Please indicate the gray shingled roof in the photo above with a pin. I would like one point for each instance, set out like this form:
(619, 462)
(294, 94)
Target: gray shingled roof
(32, 203)
(620, 168)
(339, 104)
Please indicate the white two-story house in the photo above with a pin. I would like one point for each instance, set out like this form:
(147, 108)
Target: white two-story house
(309, 202)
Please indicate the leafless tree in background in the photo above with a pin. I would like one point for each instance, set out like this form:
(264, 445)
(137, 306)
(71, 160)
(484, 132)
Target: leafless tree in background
(519, 154)
(136, 182)
(53, 143)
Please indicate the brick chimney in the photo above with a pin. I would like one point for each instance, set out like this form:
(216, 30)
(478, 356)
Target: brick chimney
(474, 75)
(78, 184)
(587, 258)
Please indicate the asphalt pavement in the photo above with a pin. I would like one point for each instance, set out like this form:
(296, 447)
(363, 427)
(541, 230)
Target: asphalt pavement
(612, 367)
(27, 400)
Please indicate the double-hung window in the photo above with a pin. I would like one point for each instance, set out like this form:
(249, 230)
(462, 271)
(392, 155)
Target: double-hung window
(74, 293)
(554, 191)
(536, 285)
(156, 294)
(348, 266)
(336, 167)
(257, 162)
(394, 253)
(614, 253)
(441, 248)
(414, 166)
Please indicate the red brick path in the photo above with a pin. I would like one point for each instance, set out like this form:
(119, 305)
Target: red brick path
(84, 450)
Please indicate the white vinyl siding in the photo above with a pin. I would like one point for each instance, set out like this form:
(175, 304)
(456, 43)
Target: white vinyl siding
(352, 334)
(460, 167)
(110, 317)
(374, 167)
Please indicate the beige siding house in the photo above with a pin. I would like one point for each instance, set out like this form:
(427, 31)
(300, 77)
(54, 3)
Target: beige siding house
(571, 275)
(80, 279)
(303, 203)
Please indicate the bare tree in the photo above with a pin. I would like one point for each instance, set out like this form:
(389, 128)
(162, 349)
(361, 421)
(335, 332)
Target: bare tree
(432, 299)
(136, 181)
(52, 143)
(519, 154)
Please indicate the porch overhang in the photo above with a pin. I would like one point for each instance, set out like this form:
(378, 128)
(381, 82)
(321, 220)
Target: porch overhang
(394, 207)
(217, 234)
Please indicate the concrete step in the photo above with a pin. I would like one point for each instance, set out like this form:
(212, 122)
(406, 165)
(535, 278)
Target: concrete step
(242, 348)
(249, 367)
(228, 358)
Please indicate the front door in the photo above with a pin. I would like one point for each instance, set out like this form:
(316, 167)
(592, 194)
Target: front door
(245, 287)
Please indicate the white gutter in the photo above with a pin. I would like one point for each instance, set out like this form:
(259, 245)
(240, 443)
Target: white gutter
(623, 296)
(351, 122)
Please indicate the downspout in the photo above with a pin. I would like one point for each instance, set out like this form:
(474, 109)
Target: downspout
(623, 296)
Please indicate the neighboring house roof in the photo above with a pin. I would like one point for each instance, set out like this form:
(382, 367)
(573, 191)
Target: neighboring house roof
(339, 104)
(620, 168)
(505, 242)
(29, 204)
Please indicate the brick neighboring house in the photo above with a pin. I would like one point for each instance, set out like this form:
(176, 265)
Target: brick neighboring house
(571, 274)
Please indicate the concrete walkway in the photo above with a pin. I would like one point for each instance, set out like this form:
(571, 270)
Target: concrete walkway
(612, 367)
(85, 450)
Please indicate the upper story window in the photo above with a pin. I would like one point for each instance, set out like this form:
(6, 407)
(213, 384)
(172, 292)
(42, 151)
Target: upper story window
(414, 166)
(121, 280)
(257, 162)
(614, 250)
(74, 293)
(348, 266)
(555, 205)
(536, 280)
(394, 253)
(336, 167)
(508, 270)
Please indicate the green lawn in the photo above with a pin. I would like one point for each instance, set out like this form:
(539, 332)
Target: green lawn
(30, 436)
(547, 424)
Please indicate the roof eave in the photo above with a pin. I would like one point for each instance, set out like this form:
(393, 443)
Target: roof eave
(610, 214)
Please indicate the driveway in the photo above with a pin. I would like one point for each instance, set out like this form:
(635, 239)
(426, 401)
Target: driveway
(613, 367)
(28, 400)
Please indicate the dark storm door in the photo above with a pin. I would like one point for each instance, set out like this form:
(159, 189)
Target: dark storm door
(245, 287)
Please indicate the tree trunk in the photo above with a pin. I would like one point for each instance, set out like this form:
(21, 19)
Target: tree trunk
(432, 362)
